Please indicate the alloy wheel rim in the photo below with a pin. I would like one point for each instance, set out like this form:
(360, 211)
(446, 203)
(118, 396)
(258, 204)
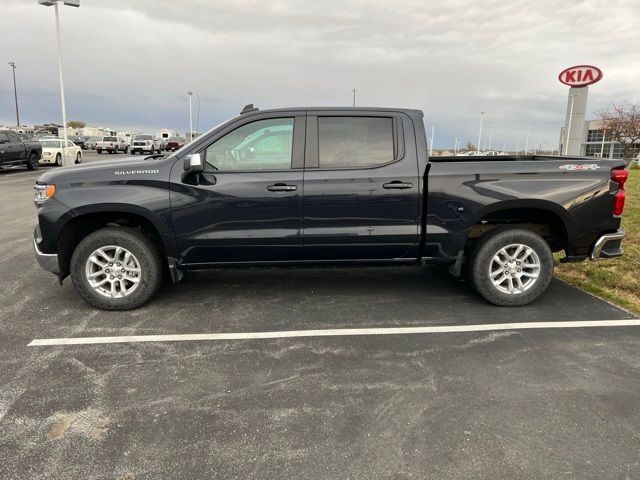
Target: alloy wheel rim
(514, 269)
(113, 271)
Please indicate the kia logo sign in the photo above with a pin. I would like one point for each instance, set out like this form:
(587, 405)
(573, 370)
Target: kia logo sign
(580, 75)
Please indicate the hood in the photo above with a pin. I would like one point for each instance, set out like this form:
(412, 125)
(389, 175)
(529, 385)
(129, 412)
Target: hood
(88, 171)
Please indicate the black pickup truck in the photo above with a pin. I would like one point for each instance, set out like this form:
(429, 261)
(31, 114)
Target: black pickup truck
(14, 151)
(324, 186)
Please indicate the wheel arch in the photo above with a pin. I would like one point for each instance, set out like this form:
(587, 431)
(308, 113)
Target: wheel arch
(549, 219)
(89, 219)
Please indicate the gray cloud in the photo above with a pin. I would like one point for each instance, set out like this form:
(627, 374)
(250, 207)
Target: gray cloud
(129, 63)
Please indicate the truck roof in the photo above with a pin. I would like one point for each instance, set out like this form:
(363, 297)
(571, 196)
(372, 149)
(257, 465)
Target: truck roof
(250, 109)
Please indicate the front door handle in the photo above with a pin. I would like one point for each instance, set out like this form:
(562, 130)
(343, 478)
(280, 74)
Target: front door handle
(281, 187)
(396, 185)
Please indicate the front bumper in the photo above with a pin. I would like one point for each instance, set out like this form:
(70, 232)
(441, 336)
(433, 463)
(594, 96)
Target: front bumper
(48, 261)
(608, 246)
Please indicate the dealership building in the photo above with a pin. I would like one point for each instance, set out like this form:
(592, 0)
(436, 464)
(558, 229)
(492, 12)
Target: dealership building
(590, 134)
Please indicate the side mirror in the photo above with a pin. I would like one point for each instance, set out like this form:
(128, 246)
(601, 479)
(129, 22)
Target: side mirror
(193, 163)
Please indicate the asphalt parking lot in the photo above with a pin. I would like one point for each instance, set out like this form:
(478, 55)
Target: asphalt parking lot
(539, 403)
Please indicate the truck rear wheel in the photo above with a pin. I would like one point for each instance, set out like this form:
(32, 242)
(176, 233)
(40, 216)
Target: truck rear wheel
(116, 268)
(32, 163)
(511, 267)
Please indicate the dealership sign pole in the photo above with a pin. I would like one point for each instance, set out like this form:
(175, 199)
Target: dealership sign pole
(72, 3)
(578, 78)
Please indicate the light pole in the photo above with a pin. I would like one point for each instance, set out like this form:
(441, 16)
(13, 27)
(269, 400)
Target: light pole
(15, 92)
(54, 3)
(604, 132)
(568, 132)
(480, 132)
(518, 146)
(490, 137)
(526, 145)
(433, 132)
(455, 147)
(354, 96)
(190, 117)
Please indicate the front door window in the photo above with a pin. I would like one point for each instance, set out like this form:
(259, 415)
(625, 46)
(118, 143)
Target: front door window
(256, 146)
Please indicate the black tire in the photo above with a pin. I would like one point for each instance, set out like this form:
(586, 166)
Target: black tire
(78, 158)
(481, 262)
(139, 245)
(99, 151)
(59, 160)
(33, 162)
(126, 150)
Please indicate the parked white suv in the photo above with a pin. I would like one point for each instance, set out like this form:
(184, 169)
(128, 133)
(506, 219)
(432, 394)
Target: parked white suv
(145, 143)
(112, 145)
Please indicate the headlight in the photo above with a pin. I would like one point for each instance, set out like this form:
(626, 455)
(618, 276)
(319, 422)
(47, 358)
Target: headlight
(43, 193)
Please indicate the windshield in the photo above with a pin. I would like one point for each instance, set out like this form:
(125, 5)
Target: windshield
(110, 139)
(50, 144)
(143, 137)
(175, 139)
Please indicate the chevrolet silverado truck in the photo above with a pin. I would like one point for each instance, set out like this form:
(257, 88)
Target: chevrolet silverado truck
(324, 186)
(14, 151)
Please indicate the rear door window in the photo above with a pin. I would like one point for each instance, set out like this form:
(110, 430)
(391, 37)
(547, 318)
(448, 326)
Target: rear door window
(353, 142)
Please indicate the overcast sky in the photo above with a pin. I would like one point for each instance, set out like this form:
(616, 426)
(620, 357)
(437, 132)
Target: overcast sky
(128, 64)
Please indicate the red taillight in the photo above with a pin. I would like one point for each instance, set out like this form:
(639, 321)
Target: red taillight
(618, 202)
(620, 177)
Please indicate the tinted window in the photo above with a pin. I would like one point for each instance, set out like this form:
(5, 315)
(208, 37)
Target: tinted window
(354, 141)
(260, 145)
(3, 137)
(110, 139)
(13, 138)
(143, 137)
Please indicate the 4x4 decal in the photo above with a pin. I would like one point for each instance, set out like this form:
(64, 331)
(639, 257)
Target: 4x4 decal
(573, 167)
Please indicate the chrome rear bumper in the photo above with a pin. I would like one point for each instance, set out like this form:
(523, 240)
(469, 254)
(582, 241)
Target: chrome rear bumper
(608, 246)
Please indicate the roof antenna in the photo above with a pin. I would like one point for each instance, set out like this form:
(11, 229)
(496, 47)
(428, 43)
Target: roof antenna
(248, 109)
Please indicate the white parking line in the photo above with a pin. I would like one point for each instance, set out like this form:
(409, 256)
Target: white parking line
(333, 332)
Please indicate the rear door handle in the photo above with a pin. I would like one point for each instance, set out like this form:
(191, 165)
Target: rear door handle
(281, 187)
(396, 185)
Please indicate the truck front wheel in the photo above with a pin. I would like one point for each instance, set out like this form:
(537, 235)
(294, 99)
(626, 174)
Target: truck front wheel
(511, 267)
(116, 268)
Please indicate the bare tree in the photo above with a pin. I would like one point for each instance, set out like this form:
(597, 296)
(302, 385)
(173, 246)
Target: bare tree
(622, 124)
